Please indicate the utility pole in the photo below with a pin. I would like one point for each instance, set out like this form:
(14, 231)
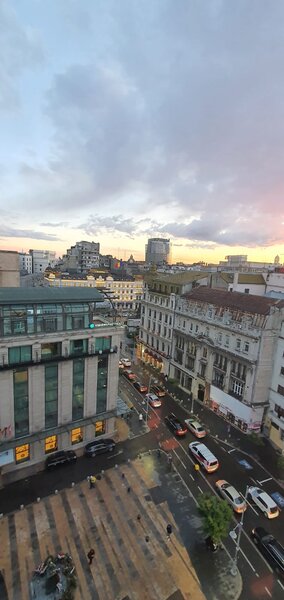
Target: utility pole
(234, 569)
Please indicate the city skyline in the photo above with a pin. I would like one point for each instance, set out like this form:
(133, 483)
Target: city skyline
(123, 121)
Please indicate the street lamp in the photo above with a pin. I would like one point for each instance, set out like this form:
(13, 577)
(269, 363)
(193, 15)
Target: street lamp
(192, 403)
(234, 535)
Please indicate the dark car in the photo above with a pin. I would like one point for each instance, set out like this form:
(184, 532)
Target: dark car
(63, 457)
(99, 447)
(175, 425)
(141, 387)
(270, 548)
(156, 389)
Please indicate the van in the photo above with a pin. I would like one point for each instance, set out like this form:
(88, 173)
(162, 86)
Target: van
(99, 447)
(204, 456)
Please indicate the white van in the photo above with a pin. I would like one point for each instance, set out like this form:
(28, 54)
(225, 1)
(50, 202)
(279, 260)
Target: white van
(204, 456)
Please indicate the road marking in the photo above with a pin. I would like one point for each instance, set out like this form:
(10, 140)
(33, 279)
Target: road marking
(184, 466)
(116, 454)
(191, 476)
(280, 583)
(252, 508)
(269, 594)
(233, 450)
(264, 480)
(253, 480)
(245, 556)
(201, 491)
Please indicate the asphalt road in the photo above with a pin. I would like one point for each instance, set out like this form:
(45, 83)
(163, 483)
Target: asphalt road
(259, 579)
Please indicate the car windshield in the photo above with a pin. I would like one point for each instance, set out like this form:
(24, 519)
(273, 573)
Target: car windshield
(199, 428)
(238, 500)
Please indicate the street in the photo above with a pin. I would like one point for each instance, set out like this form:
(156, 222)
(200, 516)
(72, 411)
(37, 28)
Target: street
(259, 579)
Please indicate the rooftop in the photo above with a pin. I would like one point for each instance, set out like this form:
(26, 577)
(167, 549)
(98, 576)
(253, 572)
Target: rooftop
(176, 278)
(48, 295)
(234, 300)
(255, 278)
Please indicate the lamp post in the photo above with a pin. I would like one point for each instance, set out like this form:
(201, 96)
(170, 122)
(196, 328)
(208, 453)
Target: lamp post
(192, 403)
(239, 527)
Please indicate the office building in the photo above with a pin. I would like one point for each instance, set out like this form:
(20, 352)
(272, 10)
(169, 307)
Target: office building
(58, 374)
(158, 251)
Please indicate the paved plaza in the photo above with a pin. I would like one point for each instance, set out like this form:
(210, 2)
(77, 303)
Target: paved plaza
(133, 558)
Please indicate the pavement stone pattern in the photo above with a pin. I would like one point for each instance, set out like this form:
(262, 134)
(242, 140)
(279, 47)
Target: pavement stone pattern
(126, 566)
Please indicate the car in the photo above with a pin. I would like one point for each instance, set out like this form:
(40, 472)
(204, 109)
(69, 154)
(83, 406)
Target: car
(264, 502)
(120, 365)
(141, 387)
(204, 456)
(153, 400)
(63, 457)
(156, 389)
(175, 425)
(99, 446)
(126, 362)
(195, 427)
(270, 548)
(129, 375)
(233, 497)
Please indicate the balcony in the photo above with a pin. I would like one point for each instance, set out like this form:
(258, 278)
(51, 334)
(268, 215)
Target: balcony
(220, 367)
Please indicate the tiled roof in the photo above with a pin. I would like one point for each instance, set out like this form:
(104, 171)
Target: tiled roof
(234, 300)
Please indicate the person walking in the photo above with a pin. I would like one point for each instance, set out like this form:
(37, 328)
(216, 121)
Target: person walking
(92, 481)
(169, 531)
(140, 417)
(91, 555)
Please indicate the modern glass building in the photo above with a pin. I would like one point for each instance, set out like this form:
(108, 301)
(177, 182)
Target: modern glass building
(58, 374)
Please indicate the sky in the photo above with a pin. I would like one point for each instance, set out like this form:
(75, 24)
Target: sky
(122, 120)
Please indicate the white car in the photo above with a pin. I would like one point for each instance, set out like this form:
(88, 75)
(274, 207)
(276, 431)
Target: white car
(233, 497)
(153, 400)
(195, 427)
(126, 362)
(264, 502)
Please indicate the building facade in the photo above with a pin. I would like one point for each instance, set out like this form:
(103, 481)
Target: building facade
(25, 263)
(9, 269)
(223, 351)
(41, 259)
(158, 251)
(58, 375)
(158, 304)
(274, 423)
(81, 257)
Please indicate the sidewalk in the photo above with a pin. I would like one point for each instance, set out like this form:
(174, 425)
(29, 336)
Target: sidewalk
(266, 455)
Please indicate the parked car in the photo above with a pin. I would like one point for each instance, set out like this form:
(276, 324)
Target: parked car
(264, 502)
(63, 457)
(129, 375)
(204, 456)
(99, 447)
(126, 362)
(153, 400)
(141, 387)
(178, 428)
(156, 389)
(195, 427)
(120, 365)
(233, 497)
(270, 548)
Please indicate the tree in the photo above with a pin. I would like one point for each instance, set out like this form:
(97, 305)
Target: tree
(216, 516)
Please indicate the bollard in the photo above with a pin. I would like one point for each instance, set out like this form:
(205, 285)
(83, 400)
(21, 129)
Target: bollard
(56, 491)
(38, 499)
(22, 507)
(102, 472)
(72, 484)
(116, 466)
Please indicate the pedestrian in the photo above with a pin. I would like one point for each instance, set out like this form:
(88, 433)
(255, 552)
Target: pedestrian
(147, 539)
(140, 417)
(170, 460)
(159, 453)
(169, 531)
(122, 475)
(129, 489)
(138, 518)
(92, 481)
(91, 555)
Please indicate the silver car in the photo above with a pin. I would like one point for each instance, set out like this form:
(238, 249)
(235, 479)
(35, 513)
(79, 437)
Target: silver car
(233, 497)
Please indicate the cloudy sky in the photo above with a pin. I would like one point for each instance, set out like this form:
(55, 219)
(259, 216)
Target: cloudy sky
(126, 119)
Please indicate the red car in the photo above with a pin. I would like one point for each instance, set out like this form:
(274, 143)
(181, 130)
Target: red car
(156, 389)
(129, 375)
(178, 428)
(141, 387)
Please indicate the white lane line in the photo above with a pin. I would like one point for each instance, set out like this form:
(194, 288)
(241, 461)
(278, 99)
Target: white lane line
(233, 450)
(264, 480)
(201, 491)
(254, 480)
(113, 455)
(280, 583)
(184, 466)
(191, 476)
(245, 556)
(252, 508)
(268, 592)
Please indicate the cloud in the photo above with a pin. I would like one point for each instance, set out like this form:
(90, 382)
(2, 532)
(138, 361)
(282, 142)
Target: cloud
(6, 232)
(171, 123)
(59, 224)
(19, 50)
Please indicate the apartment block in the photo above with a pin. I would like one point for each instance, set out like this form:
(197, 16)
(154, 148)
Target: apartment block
(274, 423)
(58, 374)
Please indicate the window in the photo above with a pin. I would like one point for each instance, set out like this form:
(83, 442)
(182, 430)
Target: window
(219, 338)
(246, 347)
(102, 384)
(227, 340)
(78, 389)
(238, 344)
(50, 444)
(22, 453)
(79, 347)
(76, 435)
(246, 290)
(204, 352)
(103, 343)
(196, 328)
(282, 371)
(21, 402)
(100, 428)
(51, 350)
(280, 390)
(237, 388)
(20, 354)
(51, 396)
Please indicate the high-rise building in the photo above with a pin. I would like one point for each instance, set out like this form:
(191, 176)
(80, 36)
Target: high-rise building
(158, 251)
(82, 257)
(58, 374)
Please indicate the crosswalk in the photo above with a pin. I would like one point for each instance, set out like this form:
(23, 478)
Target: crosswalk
(133, 558)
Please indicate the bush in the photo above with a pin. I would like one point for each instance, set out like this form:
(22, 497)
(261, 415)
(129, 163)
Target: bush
(256, 439)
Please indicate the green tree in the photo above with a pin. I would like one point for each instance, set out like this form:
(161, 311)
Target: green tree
(216, 516)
